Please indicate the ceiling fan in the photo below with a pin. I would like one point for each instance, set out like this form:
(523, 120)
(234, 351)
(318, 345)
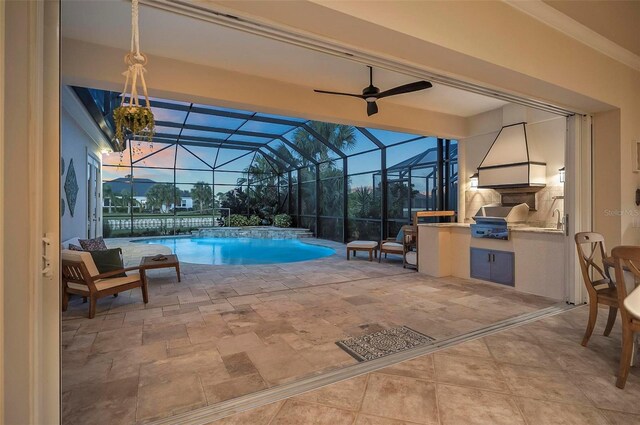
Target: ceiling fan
(371, 93)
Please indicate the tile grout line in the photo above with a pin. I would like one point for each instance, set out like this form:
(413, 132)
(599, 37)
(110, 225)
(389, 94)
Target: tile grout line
(277, 412)
(206, 415)
(522, 415)
(435, 393)
(106, 313)
(364, 393)
(404, 421)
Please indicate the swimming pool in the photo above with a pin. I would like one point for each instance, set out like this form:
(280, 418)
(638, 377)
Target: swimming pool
(217, 251)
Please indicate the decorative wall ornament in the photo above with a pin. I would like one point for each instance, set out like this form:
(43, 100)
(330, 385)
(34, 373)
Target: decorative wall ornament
(62, 207)
(130, 118)
(61, 166)
(71, 187)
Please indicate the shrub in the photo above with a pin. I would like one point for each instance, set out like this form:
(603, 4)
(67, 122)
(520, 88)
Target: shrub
(254, 220)
(237, 220)
(282, 220)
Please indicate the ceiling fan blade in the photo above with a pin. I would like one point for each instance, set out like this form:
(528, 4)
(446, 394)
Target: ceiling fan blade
(407, 88)
(339, 93)
(372, 108)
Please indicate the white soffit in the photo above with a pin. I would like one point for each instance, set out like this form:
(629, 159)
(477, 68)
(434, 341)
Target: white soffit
(193, 40)
(317, 43)
(574, 29)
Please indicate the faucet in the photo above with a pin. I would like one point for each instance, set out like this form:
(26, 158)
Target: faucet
(559, 223)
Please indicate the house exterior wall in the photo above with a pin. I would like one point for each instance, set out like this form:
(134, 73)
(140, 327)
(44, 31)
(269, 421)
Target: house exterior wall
(76, 144)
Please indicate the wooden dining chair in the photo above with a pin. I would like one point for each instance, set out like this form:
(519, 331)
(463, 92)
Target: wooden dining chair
(627, 261)
(596, 279)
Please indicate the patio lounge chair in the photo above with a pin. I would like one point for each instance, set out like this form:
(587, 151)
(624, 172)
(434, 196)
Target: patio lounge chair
(80, 276)
(399, 245)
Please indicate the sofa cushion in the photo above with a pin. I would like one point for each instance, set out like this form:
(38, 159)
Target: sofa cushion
(96, 244)
(73, 247)
(392, 246)
(103, 284)
(108, 260)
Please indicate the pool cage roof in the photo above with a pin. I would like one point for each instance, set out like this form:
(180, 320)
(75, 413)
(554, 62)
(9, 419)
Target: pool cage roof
(343, 182)
(286, 143)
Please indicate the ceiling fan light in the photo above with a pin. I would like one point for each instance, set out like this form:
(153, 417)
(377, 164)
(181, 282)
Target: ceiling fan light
(370, 99)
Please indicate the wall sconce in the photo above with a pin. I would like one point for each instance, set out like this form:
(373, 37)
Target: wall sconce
(474, 180)
(561, 171)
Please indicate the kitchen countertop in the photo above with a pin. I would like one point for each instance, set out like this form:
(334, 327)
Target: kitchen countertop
(527, 229)
(445, 224)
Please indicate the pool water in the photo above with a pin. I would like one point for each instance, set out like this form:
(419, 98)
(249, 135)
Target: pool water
(241, 251)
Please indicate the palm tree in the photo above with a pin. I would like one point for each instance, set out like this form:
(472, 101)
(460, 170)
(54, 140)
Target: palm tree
(127, 200)
(360, 202)
(261, 180)
(340, 136)
(202, 195)
(163, 195)
(269, 163)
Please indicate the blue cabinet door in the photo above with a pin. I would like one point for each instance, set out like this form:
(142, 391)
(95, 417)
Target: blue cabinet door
(503, 268)
(480, 262)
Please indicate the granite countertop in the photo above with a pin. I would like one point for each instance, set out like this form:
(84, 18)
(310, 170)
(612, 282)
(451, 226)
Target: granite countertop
(527, 229)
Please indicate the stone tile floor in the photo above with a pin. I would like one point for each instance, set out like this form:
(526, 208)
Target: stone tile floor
(535, 374)
(226, 331)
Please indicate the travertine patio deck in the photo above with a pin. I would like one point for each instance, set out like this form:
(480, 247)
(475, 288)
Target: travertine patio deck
(226, 331)
(536, 374)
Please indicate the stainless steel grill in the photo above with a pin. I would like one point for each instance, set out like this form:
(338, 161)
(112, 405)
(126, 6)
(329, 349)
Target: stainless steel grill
(492, 221)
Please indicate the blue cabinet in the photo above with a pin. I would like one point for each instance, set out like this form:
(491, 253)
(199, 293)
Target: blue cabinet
(492, 265)
(480, 264)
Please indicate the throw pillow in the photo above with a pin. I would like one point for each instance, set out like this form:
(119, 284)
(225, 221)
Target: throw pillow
(73, 247)
(400, 236)
(108, 260)
(96, 244)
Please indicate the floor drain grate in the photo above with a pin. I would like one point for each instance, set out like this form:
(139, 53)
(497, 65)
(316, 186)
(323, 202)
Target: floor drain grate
(383, 343)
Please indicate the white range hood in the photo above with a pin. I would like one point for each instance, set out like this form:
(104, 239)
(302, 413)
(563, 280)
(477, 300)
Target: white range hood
(507, 165)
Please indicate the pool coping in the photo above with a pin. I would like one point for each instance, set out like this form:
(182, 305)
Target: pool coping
(309, 241)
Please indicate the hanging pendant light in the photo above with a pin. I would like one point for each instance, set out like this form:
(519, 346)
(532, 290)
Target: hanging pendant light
(131, 119)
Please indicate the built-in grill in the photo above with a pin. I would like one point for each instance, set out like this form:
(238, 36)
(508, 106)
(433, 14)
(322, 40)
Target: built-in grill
(493, 221)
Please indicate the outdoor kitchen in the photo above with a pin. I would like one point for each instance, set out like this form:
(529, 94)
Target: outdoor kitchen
(511, 224)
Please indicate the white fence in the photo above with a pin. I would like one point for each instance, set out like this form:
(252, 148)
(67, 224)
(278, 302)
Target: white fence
(220, 217)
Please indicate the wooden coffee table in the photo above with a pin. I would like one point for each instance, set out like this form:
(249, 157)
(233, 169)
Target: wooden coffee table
(148, 263)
